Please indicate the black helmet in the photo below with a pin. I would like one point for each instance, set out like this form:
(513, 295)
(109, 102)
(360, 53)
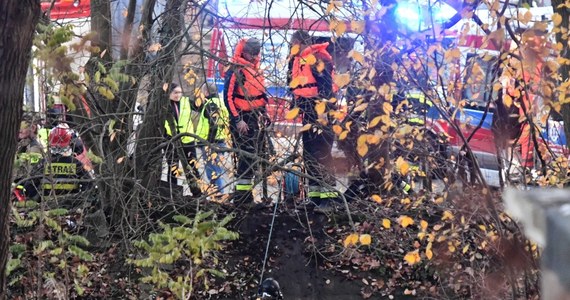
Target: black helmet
(270, 290)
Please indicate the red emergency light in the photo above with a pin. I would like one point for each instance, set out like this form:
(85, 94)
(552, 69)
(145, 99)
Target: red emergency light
(67, 9)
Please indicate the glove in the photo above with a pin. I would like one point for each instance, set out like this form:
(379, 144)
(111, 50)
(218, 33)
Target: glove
(175, 171)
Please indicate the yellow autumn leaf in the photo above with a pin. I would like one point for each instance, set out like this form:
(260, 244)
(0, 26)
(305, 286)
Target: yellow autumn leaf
(556, 19)
(376, 198)
(452, 54)
(507, 100)
(404, 168)
(497, 86)
(294, 83)
(412, 258)
(526, 17)
(374, 122)
(465, 249)
(361, 107)
(333, 5)
(451, 248)
(423, 224)
(320, 108)
(339, 27)
(292, 114)
(365, 239)
(439, 200)
(483, 227)
(357, 26)
(352, 239)
(295, 49)
(387, 107)
(343, 135)
(386, 223)
(341, 80)
(165, 87)
(322, 121)
(361, 139)
(120, 159)
(362, 149)
(372, 139)
(447, 215)
(421, 235)
(320, 66)
(309, 60)
(429, 254)
(357, 56)
(337, 129)
(306, 127)
(406, 221)
(154, 47)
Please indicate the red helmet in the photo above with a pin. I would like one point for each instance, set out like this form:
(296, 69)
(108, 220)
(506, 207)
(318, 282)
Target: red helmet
(59, 138)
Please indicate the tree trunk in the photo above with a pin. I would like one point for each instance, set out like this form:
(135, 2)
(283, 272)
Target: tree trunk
(17, 24)
(158, 105)
(147, 157)
(101, 24)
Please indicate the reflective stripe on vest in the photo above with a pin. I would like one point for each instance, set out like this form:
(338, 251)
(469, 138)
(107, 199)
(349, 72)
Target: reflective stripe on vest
(60, 169)
(203, 127)
(60, 186)
(184, 123)
(62, 172)
(420, 96)
(416, 121)
(329, 195)
(244, 187)
(32, 157)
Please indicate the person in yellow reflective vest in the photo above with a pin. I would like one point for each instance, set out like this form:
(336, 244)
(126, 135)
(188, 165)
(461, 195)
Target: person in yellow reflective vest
(182, 117)
(213, 129)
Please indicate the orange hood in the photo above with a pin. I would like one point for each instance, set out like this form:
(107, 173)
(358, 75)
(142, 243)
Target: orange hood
(317, 48)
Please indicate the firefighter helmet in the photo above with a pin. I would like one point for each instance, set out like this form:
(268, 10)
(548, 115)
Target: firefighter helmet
(59, 140)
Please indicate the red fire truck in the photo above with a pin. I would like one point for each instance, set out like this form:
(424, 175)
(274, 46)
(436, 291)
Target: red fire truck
(67, 9)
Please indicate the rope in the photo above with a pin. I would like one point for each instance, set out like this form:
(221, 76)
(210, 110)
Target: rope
(270, 233)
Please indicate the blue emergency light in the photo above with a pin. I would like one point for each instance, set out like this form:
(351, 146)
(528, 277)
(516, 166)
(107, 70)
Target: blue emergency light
(415, 16)
(409, 14)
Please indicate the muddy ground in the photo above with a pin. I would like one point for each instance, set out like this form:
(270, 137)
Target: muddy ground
(291, 260)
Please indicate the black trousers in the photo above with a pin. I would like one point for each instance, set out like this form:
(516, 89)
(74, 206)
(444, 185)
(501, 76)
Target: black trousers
(252, 143)
(317, 147)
